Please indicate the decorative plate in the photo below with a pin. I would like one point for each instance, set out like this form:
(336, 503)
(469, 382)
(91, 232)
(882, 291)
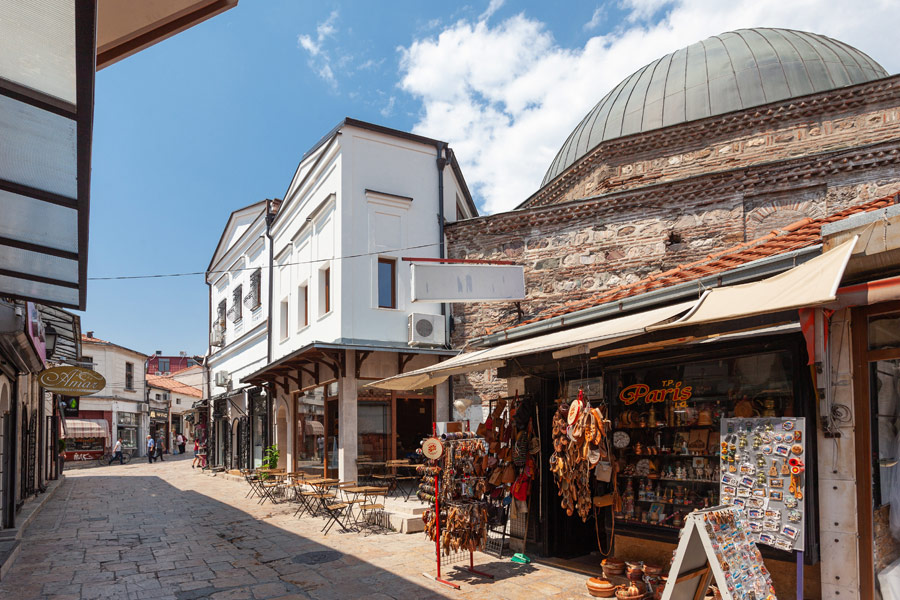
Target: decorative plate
(621, 439)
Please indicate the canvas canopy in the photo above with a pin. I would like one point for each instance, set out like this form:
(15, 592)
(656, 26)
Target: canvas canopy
(87, 428)
(813, 283)
(581, 339)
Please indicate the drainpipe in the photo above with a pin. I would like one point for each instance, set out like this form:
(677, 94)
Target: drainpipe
(269, 219)
(443, 153)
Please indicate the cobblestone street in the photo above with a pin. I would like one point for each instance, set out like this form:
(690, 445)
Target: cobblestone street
(165, 531)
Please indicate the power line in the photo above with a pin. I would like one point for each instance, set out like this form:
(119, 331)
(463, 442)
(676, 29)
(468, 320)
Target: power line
(303, 262)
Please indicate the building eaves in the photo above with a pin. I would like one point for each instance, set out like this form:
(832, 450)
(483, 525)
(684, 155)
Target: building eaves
(225, 229)
(798, 236)
(98, 342)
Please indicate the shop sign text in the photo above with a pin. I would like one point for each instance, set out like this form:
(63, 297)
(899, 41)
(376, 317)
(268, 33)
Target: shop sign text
(72, 381)
(669, 391)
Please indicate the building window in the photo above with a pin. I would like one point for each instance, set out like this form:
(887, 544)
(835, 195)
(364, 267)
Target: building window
(129, 376)
(177, 400)
(220, 315)
(253, 298)
(87, 362)
(387, 283)
(237, 309)
(158, 397)
(324, 291)
(163, 365)
(303, 306)
(284, 319)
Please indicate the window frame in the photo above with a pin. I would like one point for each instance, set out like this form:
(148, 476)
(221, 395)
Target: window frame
(303, 297)
(392, 262)
(129, 376)
(284, 319)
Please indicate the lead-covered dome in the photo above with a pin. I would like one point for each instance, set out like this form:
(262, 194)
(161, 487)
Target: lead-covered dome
(732, 71)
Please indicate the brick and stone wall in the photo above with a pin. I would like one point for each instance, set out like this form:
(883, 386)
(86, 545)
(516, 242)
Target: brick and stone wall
(665, 204)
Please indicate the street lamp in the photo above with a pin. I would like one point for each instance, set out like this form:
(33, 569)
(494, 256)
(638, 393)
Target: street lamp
(50, 337)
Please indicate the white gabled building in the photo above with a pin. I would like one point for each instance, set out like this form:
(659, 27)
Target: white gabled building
(363, 198)
(238, 280)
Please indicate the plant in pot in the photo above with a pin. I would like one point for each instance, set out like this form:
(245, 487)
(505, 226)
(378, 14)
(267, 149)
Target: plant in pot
(270, 460)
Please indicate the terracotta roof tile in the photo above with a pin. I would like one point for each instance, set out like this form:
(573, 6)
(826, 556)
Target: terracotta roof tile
(800, 234)
(169, 383)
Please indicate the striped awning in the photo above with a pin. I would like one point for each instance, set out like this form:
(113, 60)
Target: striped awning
(87, 428)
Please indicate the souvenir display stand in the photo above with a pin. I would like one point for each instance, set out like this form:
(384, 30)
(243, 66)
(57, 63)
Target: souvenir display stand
(714, 546)
(458, 521)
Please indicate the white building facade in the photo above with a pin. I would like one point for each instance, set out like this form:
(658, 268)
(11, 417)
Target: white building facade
(123, 402)
(361, 201)
(238, 280)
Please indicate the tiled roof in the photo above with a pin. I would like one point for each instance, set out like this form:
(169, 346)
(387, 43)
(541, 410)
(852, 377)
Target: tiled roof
(85, 338)
(169, 383)
(94, 340)
(800, 234)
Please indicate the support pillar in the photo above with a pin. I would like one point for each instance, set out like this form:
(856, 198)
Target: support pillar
(348, 424)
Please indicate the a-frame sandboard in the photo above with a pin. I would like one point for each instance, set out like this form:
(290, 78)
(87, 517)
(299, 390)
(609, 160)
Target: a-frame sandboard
(714, 548)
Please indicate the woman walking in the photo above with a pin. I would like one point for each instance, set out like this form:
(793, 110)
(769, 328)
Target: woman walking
(196, 453)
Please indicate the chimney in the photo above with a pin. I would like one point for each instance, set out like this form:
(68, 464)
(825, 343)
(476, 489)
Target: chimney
(90, 334)
(159, 352)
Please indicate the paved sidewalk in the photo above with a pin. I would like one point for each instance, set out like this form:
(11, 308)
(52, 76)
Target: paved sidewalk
(165, 531)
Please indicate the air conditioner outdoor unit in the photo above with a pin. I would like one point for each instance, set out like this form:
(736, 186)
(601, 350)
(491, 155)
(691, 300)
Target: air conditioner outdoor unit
(426, 330)
(159, 372)
(222, 378)
(167, 373)
(217, 337)
(143, 407)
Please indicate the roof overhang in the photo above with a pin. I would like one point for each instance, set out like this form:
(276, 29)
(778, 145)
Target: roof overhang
(47, 52)
(124, 28)
(68, 332)
(330, 355)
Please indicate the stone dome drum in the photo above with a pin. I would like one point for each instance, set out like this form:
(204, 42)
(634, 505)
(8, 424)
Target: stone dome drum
(728, 72)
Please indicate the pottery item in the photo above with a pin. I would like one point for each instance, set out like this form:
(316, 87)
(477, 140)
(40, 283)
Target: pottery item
(601, 588)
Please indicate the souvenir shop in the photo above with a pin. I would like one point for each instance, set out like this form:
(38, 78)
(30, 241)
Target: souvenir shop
(673, 425)
(606, 454)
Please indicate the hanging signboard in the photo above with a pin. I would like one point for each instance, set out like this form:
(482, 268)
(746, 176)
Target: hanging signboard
(714, 548)
(467, 283)
(763, 475)
(71, 381)
(70, 406)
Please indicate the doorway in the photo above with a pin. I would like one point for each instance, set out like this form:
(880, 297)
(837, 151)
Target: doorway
(414, 416)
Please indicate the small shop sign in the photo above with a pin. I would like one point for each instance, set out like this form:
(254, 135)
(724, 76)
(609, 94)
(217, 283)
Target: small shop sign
(71, 381)
(668, 391)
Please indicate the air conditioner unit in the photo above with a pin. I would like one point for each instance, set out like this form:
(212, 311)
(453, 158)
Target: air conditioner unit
(143, 407)
(217, 337)
(222, 378)
(426, 330)
(167, 373)
(159, 372)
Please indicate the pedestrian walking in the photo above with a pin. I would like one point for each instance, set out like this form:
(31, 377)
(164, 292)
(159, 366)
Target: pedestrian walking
(160, 447)
(181, 440)
(196, 453)
(151, 448)
(117, 453)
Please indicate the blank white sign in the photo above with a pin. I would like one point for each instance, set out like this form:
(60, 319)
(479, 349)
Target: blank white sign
(441, 282)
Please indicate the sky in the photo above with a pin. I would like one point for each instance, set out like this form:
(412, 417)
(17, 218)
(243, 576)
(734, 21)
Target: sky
(217, 117)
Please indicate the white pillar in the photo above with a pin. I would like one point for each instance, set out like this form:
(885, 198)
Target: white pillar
(347, 419)
(442, 402)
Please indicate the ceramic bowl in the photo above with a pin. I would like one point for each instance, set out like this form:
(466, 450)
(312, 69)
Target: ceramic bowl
(601, 588)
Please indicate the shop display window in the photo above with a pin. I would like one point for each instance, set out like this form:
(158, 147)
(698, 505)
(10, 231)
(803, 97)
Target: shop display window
(374, 429)
(128, 436)
(666, 428)
(85, 444)
(311, 429)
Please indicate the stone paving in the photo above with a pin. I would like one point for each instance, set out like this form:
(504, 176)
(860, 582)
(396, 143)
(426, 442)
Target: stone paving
(165, 531)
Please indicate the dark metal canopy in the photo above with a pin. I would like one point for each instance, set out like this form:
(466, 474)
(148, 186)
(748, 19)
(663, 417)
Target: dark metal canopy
(68, 332)
(47, 53)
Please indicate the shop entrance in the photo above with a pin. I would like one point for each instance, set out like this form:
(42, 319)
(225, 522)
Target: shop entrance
(332, 423)
(413, 417)
(877, 393)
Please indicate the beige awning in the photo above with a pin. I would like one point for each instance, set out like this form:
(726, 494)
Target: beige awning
(87, 428)
(579, 340)
(314, 428)
(813, 283)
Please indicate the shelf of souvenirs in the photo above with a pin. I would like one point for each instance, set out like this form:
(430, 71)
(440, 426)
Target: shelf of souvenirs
(691, 505)
(661, 425)
(674, 455)
(672, 479)
(646, 523)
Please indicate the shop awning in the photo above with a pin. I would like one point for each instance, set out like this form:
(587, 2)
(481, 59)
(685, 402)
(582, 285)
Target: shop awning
(87, 428)
(314, 428)
(580, 340)
(813, 283)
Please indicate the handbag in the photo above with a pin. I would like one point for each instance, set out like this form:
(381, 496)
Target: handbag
(603, 471)
(508, 475)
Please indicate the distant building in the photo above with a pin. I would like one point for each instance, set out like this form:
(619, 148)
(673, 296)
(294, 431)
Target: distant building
(158, 364)
(169, 400)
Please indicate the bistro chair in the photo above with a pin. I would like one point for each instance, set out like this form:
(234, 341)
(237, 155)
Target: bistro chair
(371, 510)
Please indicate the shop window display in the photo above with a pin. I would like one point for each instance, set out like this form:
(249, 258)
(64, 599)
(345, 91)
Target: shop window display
(666, 429)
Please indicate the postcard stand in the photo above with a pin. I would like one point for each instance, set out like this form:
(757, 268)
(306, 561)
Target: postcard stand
(698, 561)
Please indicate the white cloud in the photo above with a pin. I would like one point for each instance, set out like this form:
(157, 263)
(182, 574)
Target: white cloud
(319, 58)
(596, 19)
(493, 6)
(506, 96)
(388, 109)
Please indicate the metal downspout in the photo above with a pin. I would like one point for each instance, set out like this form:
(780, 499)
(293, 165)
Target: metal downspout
(443, 152)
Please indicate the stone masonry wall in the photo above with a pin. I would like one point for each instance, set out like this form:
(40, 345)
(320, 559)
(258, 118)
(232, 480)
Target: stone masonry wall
(838, 119)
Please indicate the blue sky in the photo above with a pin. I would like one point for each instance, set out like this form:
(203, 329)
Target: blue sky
(217, 117)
